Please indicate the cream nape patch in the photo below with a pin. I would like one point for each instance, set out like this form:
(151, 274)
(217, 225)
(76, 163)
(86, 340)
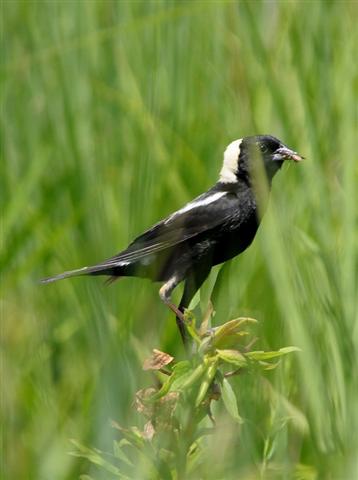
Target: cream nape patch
(231, 161)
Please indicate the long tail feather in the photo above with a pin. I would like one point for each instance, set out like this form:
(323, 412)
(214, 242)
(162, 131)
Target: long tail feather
(95, 270)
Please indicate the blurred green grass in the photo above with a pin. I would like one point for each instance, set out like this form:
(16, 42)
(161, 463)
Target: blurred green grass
(113, 115)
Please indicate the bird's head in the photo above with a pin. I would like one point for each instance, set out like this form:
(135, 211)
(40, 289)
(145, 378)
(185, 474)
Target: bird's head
(241, 157)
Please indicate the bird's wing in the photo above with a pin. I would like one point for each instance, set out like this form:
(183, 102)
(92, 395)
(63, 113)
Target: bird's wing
(206, 212)
(202, 214)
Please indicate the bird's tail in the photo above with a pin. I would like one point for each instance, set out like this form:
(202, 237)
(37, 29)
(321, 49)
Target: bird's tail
(95, 270)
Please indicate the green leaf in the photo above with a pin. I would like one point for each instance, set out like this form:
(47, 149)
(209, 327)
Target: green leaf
(229, 341)
(261, 355)
(132, 434)
(269, 365)
(190, 323)
(95, 456)
(230, 401)
(232, 356)
(119, 453)
(181, 371)
(194, 301)
(229, 328)
(290, 411)
(206, 321)
(205, 384)
(180, 377)
(190, 379)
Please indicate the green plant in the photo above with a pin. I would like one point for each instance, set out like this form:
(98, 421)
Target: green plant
(171, 443)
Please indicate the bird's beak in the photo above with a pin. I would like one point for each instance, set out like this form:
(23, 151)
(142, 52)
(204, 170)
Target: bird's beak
(284, 153)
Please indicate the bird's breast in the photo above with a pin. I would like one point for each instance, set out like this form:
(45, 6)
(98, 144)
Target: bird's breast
(235, 239)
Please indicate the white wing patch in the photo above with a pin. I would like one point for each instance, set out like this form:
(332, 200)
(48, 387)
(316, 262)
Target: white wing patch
(231, 162)
(199, 202)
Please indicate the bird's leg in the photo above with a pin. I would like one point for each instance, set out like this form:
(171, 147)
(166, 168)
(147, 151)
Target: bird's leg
(192, 284)
(180, 323)
(164, 294)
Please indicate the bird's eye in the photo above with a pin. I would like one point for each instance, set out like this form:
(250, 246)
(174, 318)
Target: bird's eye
(263, 148)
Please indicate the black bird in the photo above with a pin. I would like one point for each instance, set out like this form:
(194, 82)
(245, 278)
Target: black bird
(211, 229)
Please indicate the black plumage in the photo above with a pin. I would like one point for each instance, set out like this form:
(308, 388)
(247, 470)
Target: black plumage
(213, 228)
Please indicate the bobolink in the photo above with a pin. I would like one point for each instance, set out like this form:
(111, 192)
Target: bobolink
(211, 229)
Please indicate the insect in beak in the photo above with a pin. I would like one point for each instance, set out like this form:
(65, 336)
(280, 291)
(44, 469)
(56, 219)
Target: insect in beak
(284, 153)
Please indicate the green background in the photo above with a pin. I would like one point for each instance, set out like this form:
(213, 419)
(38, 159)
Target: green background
(113, 115)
